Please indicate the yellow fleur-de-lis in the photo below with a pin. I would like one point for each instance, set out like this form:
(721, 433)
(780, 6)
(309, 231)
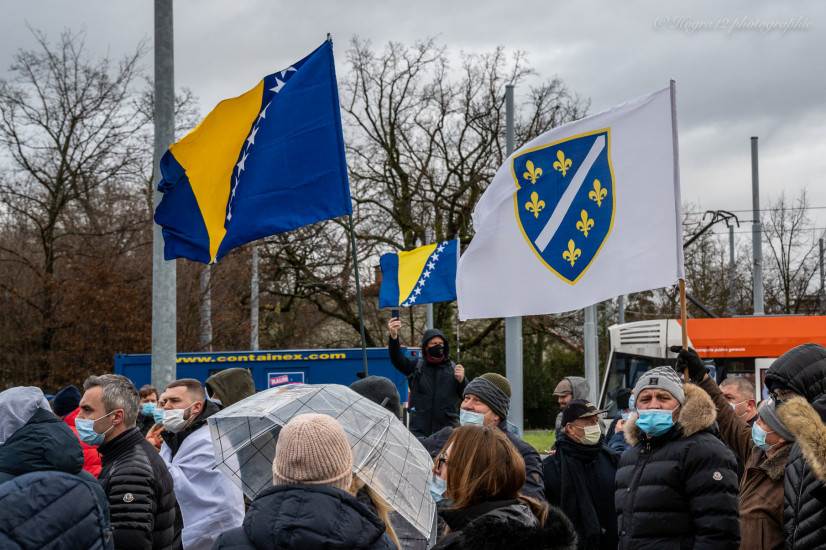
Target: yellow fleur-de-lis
(562, 163)
(585, 223)
(598, 193)
(572, 254)
(535, 205)
(532, 172)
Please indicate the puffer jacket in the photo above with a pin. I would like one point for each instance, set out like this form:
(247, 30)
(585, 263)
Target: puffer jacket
(802, 370)
(679, 489)
(144, 512)
(306, 517)
(435, 394)
(54, 510)
(505, 524)
(806, 473)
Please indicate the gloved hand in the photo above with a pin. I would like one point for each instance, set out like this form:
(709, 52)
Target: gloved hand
(688, 359)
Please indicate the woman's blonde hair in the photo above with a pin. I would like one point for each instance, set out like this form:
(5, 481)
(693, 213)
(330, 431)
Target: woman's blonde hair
(484, 466)
(382, 508)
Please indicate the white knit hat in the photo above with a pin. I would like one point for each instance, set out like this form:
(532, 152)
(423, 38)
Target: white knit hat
(313, 449)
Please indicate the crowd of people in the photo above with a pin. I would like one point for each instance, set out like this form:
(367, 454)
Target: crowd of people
(687, 463)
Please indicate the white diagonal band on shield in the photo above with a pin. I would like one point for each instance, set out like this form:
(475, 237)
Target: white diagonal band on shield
(568, 196)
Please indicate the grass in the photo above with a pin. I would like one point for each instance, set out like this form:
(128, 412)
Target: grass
(541, 440)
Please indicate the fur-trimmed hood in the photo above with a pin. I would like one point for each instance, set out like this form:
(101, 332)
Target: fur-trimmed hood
(807, 425)
(698, 413)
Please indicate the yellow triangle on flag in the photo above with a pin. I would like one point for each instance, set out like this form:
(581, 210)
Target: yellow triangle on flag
(411, 265)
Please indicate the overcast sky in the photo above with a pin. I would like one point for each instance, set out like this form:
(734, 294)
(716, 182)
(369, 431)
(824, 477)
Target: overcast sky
(746, 68)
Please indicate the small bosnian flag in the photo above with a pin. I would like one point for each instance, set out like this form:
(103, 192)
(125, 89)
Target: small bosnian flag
(420, 276)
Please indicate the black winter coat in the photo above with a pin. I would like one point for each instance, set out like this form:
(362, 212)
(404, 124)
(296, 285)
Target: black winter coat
(504, 525)
(678, 490)
(144, 511)
(42, 484)
(435, 393)
(577, 480)
(802, 370)
(534, 484)
(306, 517)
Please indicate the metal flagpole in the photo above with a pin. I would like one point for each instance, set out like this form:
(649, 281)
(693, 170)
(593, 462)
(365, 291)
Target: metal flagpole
(589, 334)
(206, 308)
(458, 339)
(513, 325)
(164, 307)
(757, 232)
(358, 295)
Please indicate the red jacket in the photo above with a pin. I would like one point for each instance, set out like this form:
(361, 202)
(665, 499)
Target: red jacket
(91, 458)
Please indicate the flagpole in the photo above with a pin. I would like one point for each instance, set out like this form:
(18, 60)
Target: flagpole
(678, 218)
(358, 295)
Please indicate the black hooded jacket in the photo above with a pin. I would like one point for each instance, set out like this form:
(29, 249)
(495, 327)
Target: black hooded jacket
(435, 394)
(802, 370)
(306, 517)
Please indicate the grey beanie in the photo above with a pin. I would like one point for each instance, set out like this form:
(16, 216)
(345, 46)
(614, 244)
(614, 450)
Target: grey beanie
(768, 414)
(493, 390)
(663, 378)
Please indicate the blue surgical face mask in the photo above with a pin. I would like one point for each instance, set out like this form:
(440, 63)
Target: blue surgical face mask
(758, 435)
(626, 415)
(86, 431)
(471, 418)
(438, 486)
(147, 409)
(655, 422)
(158, 415)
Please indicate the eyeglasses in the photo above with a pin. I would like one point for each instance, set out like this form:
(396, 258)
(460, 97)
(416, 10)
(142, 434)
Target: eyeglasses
(441, 460)
(780, 395)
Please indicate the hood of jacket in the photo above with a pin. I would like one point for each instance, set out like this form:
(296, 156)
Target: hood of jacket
(698, 413)
(230, 386)
(807, 421)
(514, 527)
(310, 516)
(17, 406)
(44, 443)
(802, 370)
(580, 387)
(432, 333)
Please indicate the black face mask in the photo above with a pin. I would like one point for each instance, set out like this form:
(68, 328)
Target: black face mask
(436, 352)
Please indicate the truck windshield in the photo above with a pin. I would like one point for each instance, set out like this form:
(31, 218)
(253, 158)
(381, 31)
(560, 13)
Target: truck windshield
(623, 372)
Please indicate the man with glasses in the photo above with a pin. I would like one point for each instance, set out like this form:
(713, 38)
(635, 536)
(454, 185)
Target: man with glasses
(142, 504)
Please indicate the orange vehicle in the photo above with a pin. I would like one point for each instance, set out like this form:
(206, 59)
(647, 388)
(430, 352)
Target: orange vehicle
(736, 346)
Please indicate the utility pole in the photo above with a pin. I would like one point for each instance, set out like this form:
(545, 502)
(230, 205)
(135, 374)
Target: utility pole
(732, 278)
(822, 278)
(756, 232)
(513, 325)
(621, 310)
(254, 293)
(589, 333)
(164, 292)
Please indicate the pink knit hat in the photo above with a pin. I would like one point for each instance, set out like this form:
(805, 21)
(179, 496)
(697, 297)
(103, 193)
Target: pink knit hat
(313, 449)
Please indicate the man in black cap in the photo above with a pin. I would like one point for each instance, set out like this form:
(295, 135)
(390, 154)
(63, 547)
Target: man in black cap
(486, 402)
(579, 477)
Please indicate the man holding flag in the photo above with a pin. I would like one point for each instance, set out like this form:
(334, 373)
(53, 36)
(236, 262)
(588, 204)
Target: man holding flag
(423, 276)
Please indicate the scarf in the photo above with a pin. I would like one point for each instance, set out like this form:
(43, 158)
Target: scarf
(576, 499)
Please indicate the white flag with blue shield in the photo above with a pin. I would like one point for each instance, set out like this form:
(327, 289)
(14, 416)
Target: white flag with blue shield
(583, 213)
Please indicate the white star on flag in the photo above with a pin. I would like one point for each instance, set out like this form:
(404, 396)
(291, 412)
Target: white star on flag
(263, 113)
(278, 85)
(241, 162)
(417, 291)
(412, 299)
(426, 274)
(285, 71)
(251, 138)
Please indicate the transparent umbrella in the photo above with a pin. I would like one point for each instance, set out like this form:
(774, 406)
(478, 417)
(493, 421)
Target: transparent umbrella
(386, 456)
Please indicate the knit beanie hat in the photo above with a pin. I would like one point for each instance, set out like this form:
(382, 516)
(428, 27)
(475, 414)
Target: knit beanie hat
(493, 390)
(66, 400)
(663, 378)
(768, 414)
(313, 449)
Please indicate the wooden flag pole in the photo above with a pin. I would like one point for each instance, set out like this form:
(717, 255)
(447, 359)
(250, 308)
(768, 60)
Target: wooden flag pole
(684, 321)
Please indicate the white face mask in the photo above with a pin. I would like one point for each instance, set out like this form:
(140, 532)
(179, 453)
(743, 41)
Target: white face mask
(174, 421)
(592, 434)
